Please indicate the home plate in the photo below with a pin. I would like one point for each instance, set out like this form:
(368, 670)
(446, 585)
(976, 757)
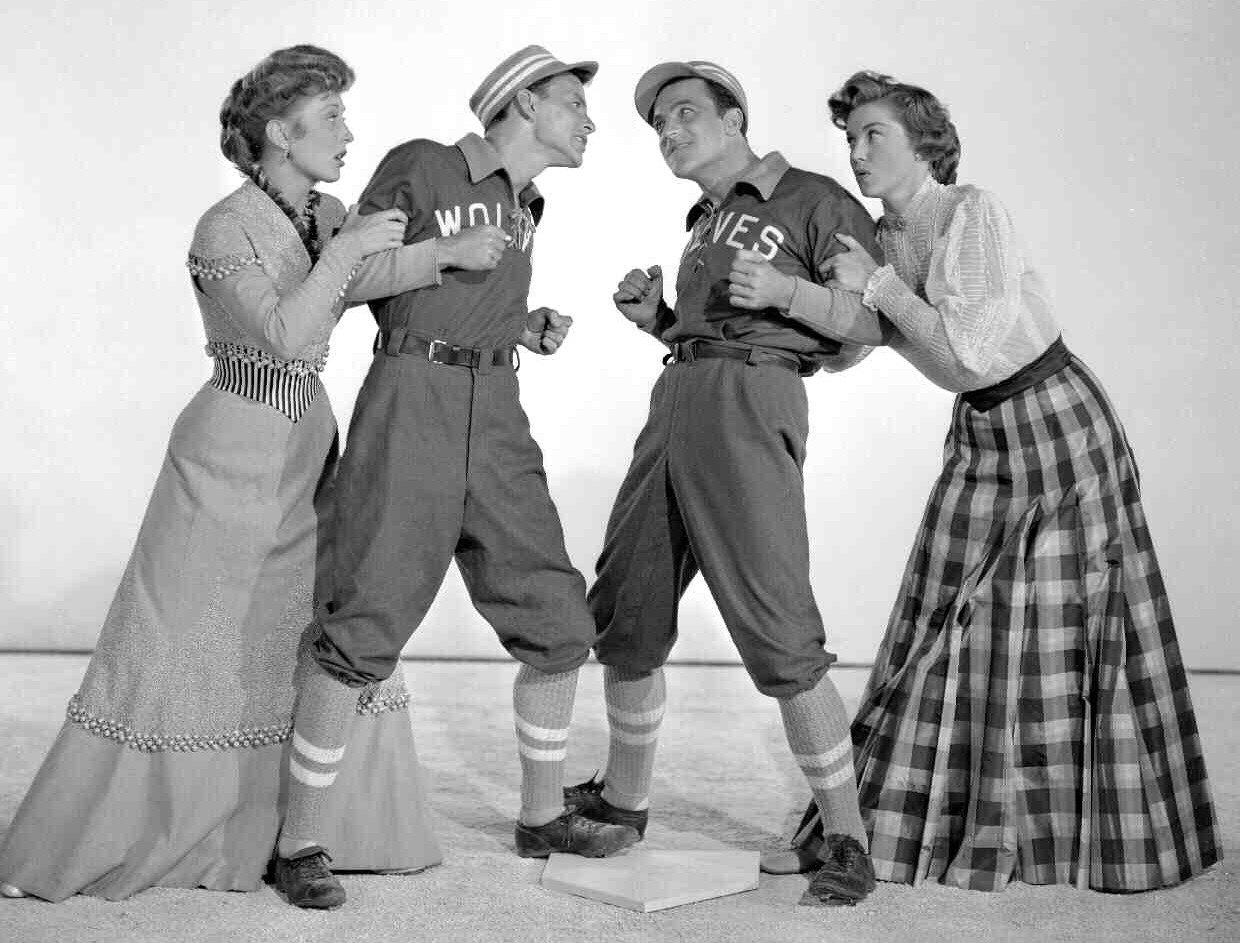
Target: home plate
(646, 880)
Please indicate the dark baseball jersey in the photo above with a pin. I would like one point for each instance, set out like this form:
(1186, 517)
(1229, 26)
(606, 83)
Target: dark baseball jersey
(789, 215)
(440, 463)
(716, 483)
(444, 189)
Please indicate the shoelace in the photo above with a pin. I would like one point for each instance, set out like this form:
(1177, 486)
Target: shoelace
(312, 866)
(845, 855)
(589, 825)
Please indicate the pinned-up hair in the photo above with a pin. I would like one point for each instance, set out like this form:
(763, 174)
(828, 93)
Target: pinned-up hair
(269, 90)
(924, 118)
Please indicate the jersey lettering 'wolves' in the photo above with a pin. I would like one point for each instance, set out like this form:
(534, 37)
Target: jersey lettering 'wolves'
(451, 219)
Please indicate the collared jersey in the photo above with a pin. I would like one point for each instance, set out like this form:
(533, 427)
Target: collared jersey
(789, 215)
(444, 189)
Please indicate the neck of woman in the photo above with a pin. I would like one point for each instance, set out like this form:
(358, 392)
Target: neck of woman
(897, 202)
(291, 183)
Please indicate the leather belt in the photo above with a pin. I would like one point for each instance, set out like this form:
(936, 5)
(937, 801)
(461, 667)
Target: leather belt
(437, 351)
(697, 349)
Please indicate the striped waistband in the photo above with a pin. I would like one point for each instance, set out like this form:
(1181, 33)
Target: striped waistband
(289, 393)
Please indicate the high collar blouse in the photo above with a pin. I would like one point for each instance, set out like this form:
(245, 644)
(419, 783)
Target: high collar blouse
(958, 285)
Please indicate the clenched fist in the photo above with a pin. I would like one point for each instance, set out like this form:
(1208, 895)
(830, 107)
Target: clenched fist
(639, 295)
(545, 330)
(477, 248)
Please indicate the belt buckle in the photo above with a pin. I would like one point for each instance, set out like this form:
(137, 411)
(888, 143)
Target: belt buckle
(433, 348)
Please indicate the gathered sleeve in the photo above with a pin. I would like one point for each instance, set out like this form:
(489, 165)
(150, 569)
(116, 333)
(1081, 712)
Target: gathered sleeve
(972, 294)
(227, 268)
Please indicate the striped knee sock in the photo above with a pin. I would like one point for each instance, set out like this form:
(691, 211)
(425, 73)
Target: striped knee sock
(542, 708)
(816, 724)
(635, 704)
(325, 710)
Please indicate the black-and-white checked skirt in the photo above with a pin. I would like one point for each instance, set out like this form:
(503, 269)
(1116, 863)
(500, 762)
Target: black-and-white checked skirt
(1028, 716)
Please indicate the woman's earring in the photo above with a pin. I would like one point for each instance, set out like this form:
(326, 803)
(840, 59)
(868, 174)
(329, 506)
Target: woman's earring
(286, 152)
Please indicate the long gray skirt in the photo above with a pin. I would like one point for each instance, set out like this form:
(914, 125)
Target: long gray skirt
(171, 766)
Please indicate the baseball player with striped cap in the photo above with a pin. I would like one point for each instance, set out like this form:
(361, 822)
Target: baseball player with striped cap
(441, 465)
(716, 479)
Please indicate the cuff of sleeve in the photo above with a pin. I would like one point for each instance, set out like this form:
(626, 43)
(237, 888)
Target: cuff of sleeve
(337, 260)
(344, 287)
(800, 305)
(879, 286)
(659, 322)
(436, 269)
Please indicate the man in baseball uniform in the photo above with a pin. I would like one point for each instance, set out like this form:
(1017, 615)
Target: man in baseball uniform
(716, 483)
(441, 465)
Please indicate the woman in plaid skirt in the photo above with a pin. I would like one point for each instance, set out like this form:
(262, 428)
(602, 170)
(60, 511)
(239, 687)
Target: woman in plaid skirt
(1028, 716)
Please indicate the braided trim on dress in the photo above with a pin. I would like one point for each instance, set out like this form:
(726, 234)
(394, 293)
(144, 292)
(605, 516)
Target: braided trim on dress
(367, 704)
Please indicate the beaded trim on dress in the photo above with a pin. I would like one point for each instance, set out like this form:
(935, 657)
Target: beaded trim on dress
(248, 354)
(369, 703)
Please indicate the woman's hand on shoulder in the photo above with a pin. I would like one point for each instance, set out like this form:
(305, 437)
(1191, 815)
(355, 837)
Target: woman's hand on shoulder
(375, 232)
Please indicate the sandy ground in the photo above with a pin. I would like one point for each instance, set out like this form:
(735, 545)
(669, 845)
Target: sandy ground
(724, 779)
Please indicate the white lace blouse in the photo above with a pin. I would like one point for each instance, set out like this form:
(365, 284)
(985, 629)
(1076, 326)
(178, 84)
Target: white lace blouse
(968, 307)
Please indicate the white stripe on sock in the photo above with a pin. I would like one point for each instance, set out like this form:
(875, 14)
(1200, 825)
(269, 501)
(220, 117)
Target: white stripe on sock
(838, 778)
(541, 756)
(535, 732)
(316, 754)
(636, 718)
(310, 777)
(822, 760)
(634, 739)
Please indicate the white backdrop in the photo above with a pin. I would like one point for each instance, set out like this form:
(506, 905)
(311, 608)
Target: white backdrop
(1107, 128)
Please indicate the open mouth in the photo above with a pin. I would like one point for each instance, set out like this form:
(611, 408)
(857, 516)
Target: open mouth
(340, 158)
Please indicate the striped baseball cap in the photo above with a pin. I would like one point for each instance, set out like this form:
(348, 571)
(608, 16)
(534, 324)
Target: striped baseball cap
(648, 85)
(521, 70)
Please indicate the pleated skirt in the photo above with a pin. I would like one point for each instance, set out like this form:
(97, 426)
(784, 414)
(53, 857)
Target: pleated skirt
(1028, 716)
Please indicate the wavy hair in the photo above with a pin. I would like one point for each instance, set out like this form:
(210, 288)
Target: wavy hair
(270, 90)
(924, 118)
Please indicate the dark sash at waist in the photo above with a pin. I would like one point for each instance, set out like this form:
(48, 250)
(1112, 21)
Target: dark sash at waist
(1051, 361)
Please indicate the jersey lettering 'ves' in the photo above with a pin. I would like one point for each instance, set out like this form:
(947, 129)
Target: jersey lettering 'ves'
(768, 241)
(772, 239)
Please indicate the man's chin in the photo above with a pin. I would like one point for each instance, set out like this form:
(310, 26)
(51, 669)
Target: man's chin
(681, 170)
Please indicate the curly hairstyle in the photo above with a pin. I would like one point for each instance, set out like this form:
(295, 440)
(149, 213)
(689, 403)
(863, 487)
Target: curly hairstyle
(925, 119)
(269, 90)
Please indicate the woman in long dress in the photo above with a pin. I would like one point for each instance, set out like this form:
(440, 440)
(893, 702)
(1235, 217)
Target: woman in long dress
(1028, 716)
(168, 770)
